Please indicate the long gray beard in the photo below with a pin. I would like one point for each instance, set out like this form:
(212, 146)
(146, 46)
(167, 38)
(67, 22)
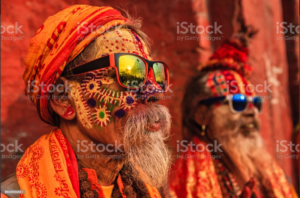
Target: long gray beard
(247, 153)
(146, 149)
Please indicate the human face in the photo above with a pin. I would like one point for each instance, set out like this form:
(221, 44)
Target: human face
(108, 113)
(224, 122)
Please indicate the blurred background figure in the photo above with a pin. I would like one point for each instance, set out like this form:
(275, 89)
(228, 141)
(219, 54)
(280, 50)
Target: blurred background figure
(225, 151)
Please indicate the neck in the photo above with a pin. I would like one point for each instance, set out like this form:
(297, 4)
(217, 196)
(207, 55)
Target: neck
(106, 166)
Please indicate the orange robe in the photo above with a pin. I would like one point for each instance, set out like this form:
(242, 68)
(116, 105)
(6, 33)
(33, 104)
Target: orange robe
(199, 174)
(49, 169)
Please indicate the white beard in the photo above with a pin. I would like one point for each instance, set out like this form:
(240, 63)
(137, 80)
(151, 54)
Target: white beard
(146, 149)
(247, 154)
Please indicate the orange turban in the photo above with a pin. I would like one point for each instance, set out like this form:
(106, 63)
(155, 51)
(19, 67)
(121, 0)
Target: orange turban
(57, 42)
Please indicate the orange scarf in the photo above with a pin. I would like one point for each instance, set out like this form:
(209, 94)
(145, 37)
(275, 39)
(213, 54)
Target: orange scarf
(195, 175)
(49, 169)
(57, 42)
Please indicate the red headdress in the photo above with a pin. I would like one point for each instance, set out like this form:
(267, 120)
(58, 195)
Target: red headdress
(229, 67)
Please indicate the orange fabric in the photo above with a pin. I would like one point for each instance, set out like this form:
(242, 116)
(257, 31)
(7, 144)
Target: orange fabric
(58, 41)
(3, 196)
(195, 175)
(153, 192)
(92, 178)
(44, 170)
(107, 191)
(49, 169)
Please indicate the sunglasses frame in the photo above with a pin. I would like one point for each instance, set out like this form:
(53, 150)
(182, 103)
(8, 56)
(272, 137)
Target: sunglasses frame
(228, 98)
(112, 60)
(250, 99)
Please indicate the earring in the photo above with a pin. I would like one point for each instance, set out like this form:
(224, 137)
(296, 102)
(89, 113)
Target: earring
(203, 130)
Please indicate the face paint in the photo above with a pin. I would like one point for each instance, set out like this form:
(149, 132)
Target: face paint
(81, 105)
(96, 101)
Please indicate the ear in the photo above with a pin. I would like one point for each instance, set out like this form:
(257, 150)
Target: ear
(60, 101)
(201, 115)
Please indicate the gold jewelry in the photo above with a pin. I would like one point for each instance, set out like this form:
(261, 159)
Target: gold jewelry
(203, 130)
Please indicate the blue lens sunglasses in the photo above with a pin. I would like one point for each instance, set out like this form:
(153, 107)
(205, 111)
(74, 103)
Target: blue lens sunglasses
(237, 102)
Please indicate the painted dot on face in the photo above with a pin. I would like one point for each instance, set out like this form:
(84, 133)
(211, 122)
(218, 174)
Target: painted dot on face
(101, 114)
(120, 113)
(129, 100)
(91, 86)
(91, 102)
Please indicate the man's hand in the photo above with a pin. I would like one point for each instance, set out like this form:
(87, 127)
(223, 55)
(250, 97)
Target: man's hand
(248, 191)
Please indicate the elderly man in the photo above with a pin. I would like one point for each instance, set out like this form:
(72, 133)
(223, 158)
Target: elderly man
(89, 72)
(225, 157)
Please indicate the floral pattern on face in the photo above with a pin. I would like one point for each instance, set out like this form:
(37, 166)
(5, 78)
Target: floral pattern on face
(97, 101)
(94, 101)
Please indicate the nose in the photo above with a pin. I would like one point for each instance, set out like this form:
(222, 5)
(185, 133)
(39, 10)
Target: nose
(151, 92)
(250, 110)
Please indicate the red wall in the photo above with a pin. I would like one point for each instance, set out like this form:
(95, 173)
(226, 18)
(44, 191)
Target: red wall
(268, 55)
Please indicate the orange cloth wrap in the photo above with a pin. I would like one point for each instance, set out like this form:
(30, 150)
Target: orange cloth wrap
(49, 169)
(194, 175)
(57, 42)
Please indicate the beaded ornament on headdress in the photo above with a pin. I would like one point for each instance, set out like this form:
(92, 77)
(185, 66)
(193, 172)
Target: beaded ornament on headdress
(232, 54)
